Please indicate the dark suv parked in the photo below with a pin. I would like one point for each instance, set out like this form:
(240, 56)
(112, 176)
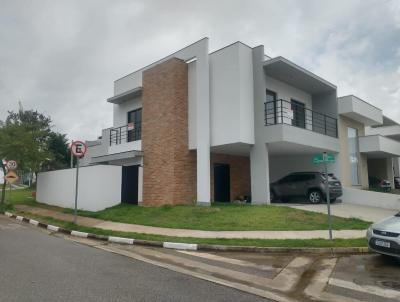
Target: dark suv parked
(307, 184)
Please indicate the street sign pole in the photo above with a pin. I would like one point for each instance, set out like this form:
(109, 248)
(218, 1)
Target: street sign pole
(78, 149)
(76, 189)
(72, 156)
(328, 199)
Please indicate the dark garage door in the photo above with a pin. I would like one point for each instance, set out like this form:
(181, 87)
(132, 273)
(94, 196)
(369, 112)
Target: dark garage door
(222, 182)
(129, 188)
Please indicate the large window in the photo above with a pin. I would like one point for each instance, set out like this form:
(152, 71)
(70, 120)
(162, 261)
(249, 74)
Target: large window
(352, 141)
(299, 113)
(135, 125)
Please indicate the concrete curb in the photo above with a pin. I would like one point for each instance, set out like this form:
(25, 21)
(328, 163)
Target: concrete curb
(190, 246)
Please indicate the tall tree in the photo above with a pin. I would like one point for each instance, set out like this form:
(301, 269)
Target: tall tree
(58, 147)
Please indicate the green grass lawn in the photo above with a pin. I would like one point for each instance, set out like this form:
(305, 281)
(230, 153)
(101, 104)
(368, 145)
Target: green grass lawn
(218, 217)
(314, 243)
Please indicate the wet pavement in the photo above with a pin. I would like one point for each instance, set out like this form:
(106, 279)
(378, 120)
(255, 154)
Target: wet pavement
(275, 277)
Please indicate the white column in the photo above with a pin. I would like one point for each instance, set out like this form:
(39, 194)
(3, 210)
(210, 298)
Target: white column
(389, 171)
(203, 125)
(140, 184)
(396, 166)
(259, 164)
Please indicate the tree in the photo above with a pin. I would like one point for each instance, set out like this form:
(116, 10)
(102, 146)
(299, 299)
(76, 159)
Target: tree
(24, 137)
(58, 147)
(20, 143)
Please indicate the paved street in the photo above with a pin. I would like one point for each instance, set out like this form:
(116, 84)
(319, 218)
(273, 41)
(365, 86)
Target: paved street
(37, 267)
(47, 267)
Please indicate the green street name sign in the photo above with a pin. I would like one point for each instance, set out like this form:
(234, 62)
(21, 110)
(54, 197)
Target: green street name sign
(321, 158)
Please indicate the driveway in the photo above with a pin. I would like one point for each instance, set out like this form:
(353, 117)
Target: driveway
(347, 210)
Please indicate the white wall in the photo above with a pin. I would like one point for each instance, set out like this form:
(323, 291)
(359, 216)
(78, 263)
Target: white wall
(128, 82)
(231, 95)
(287, 92)
(120, 117)
(99, 187)
(371, 199)
(125, 147)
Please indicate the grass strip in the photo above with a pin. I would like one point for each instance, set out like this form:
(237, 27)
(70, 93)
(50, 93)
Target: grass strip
(315, 243)
(218, 217)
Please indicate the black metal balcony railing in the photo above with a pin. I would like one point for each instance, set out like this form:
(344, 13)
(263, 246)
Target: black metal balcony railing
(295, 114)
(124, 134)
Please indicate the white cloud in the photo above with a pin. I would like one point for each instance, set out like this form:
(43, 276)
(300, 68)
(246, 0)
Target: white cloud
(62, 57)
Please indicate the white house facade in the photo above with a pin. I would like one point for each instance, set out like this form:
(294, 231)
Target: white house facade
(196, 127)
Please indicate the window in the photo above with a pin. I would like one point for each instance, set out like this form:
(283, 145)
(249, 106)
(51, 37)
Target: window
(270, 107)
(299, 113)
(352, 141)
(135, 125)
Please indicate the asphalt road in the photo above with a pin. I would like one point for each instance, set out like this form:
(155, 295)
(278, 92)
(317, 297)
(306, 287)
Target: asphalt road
(35, 266)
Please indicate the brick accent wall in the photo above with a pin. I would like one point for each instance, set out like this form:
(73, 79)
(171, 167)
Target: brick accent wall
(169, 168)
(239, 174)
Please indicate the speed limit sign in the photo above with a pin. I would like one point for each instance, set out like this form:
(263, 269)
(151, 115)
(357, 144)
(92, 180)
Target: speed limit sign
(78, 149)
(11, 165)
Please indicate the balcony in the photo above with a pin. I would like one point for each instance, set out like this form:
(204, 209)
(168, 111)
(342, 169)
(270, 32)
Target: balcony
(294, 114)
(125, 138)
(125, 134)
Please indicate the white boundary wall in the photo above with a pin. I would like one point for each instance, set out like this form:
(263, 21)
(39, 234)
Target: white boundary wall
(99, 187)
(371, 199)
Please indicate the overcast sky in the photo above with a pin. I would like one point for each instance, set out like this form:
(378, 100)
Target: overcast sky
(61, 57)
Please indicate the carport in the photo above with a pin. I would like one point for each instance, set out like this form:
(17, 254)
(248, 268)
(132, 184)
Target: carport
(288, 157)
(380, 151)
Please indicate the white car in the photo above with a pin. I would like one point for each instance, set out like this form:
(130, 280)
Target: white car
(384, 236)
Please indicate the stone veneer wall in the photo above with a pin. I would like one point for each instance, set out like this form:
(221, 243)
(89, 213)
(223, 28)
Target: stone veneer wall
(169, 168)
(239, 173)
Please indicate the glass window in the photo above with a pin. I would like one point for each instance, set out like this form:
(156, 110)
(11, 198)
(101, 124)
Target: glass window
(352, 141)
(135, 125)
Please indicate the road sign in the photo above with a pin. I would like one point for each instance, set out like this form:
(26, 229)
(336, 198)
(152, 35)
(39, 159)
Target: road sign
(78, 149)
(11, 177)
(11, 165)
(324, 158)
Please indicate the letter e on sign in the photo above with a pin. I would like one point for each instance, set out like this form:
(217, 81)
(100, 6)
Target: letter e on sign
(78, 149)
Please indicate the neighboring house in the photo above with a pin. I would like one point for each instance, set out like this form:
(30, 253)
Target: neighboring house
(197, 126)
(389, 134)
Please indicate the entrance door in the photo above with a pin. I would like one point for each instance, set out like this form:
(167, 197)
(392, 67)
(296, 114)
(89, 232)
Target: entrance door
(222, 183)
(129, 188)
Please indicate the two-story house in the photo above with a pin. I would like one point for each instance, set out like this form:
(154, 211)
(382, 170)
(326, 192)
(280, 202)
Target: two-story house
(199, 126)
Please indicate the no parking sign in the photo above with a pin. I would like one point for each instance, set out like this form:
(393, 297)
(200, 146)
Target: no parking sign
(78, 149)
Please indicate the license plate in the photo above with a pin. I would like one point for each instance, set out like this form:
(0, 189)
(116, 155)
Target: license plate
(382, 243)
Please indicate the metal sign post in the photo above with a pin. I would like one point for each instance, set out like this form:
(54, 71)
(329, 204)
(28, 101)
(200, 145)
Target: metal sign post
(76, 189)
(78, 149)
(325, 159)
(328, 199)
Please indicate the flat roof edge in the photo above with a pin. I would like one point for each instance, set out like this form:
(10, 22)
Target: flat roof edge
(294, 65)
(163, 58)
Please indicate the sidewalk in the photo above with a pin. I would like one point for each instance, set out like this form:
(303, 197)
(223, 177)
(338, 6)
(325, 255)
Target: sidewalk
(347, 210)
(134, 228)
